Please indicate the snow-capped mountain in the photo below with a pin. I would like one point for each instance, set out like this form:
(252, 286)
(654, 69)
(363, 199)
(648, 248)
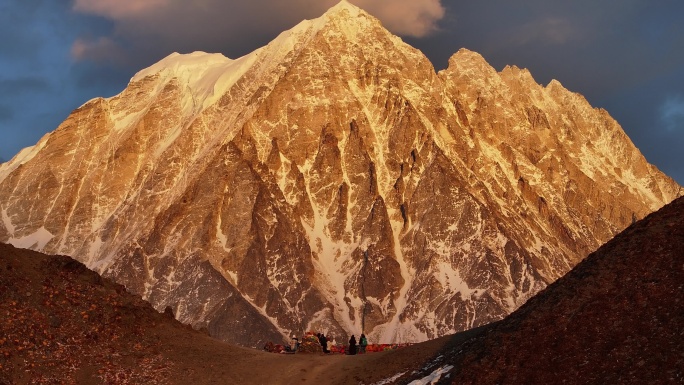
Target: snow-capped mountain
(331, 181)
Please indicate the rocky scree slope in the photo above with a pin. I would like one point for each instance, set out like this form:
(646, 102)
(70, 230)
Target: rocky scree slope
(62, 323)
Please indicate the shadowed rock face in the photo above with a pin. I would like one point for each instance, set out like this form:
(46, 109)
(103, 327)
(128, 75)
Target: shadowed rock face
(331, 181)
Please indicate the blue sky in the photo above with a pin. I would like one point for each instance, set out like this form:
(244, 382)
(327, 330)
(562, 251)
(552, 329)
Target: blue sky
(626, 56)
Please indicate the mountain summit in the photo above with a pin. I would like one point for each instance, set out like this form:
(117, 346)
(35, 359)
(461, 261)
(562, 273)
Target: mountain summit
(331, 181)
(345, 6)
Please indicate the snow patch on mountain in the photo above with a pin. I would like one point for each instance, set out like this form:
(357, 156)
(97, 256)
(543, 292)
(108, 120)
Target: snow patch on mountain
(207, 76)
(7, 222)
(24, 156)
(36, 240)
(433, 377)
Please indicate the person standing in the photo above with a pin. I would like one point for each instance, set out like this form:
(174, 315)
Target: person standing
(324, 342)
(352, 345)
(363, 342)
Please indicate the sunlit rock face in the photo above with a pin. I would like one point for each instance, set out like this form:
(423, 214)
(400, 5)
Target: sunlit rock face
(331, 181)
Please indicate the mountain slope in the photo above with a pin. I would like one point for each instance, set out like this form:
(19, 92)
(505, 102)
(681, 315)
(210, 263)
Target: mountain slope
(617, 317)
(332, 181)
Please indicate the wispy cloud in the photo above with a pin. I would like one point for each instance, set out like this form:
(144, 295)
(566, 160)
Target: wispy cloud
(120, 9)
(101, 49)
(672, 113)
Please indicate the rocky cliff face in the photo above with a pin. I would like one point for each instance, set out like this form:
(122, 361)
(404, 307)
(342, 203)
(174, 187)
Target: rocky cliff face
(331, 180)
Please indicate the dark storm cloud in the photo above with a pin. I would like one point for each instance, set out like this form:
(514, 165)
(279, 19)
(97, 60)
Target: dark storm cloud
(598, 44)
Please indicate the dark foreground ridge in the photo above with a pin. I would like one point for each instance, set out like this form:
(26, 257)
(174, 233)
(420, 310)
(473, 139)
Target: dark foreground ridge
(63, 323)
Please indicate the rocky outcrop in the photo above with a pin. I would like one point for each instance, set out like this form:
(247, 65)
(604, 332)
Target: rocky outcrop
(331, 180)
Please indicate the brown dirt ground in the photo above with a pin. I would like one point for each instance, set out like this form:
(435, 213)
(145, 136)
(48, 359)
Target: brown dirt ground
(209, 362)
